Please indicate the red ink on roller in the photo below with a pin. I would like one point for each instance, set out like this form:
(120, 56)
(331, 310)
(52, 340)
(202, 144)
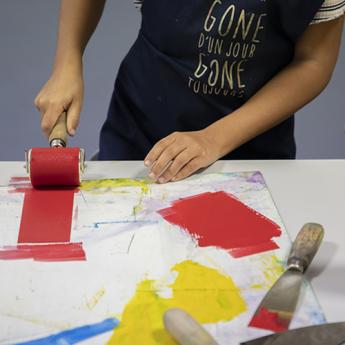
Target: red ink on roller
(58, 167)
(45, 227)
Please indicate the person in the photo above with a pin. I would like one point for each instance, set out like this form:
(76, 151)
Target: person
(204, 80)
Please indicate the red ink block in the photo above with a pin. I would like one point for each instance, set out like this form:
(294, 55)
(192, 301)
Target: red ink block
(219, 219)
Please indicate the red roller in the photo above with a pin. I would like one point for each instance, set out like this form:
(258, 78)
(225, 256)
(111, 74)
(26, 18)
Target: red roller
(57, 165)
(54, 166)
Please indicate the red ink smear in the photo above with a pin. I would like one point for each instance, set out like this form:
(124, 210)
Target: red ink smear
(19, 179)
(44, 252)
(20, 184)
(219, 219)
(46, 216)
(266, 319)
(45, 226)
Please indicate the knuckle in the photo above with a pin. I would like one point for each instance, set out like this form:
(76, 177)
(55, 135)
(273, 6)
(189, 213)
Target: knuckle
(192, 166)
(162, 141)
(37, 101)
(178, 161)
(53, 103)
(167, 175)
(169, 152)
(157, 168)
(44, 126)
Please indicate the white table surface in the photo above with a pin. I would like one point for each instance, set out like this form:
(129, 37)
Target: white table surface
(303, 191)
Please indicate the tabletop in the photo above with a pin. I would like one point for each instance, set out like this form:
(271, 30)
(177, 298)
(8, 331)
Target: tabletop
(303, 191)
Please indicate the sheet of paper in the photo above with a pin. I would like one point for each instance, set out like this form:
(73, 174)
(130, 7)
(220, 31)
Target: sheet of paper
(147, 248)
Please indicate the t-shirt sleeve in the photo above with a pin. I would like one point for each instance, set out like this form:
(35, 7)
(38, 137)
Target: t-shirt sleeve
(330, 9)
(138, 3)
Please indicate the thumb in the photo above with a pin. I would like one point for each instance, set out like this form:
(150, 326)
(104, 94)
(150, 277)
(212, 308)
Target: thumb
(73, 115)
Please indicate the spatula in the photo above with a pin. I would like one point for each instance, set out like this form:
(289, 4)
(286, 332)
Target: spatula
(277, 308)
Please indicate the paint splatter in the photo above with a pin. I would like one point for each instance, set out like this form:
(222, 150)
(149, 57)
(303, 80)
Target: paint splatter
(102, 186)
(117, 185)
(271, 267)
(270, 320)
(75, 335)
(256, 177)
(95, 299)
(205, 293)
(219, 219)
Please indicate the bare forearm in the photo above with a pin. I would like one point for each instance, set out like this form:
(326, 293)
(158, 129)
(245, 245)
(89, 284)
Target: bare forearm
(316, 54)
(78, 20)
(290, 90)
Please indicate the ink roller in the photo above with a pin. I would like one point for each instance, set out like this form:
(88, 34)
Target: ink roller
(57, 165)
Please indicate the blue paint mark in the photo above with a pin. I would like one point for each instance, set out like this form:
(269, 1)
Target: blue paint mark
(97, 225)
(75, 335)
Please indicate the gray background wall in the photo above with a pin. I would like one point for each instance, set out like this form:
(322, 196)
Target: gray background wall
(27, 44)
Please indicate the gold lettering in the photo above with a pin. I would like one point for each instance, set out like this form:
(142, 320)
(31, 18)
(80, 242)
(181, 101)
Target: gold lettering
(201, 69)
(218, 46)
(236, 49)
(190, 82)
(231, 10)
(245, 29)
(227, 73)
(214, 73)
(196, 86)
(239, 70)
(210, 20)
(258, 28)
(201, 40)
(252, 50)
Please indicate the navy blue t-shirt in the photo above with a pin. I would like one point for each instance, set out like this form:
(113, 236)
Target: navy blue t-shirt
(196, 61)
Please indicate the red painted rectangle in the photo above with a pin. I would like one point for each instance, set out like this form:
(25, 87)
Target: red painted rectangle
(219, 219)
(46, 216)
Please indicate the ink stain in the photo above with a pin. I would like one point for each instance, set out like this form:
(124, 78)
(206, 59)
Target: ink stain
(205, 293)
(219, 219)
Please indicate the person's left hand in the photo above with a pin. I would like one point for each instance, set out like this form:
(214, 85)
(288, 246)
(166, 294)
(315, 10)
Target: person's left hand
(180, 154)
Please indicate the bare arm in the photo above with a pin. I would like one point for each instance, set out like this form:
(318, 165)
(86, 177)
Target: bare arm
(302, 80)
(64, 89)
(308, 74)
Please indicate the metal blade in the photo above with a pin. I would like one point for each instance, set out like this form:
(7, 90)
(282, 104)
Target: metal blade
(277, 308)
(327, 334)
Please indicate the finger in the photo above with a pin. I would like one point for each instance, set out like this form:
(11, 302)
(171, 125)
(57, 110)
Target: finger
(38, 103)
(168, 155)
(191, 167)
(49, 118)
(73, 115)
(158, 148)
(179, 162)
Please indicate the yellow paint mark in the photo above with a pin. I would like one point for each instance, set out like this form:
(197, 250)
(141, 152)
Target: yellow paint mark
(107, 185)
(138, 208)
(272, 269)
(95, 299)
(204, 292)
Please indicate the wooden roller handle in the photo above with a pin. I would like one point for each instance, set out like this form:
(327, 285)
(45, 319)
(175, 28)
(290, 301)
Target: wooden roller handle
(59, 131)
(185, 329)
(305, 246)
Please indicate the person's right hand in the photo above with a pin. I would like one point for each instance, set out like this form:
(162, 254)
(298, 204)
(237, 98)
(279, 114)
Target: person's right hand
(62, 92)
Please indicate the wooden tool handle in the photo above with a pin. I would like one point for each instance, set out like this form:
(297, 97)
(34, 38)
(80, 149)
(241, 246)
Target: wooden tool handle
(185, 330)
(59, 131)
(305, 246)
